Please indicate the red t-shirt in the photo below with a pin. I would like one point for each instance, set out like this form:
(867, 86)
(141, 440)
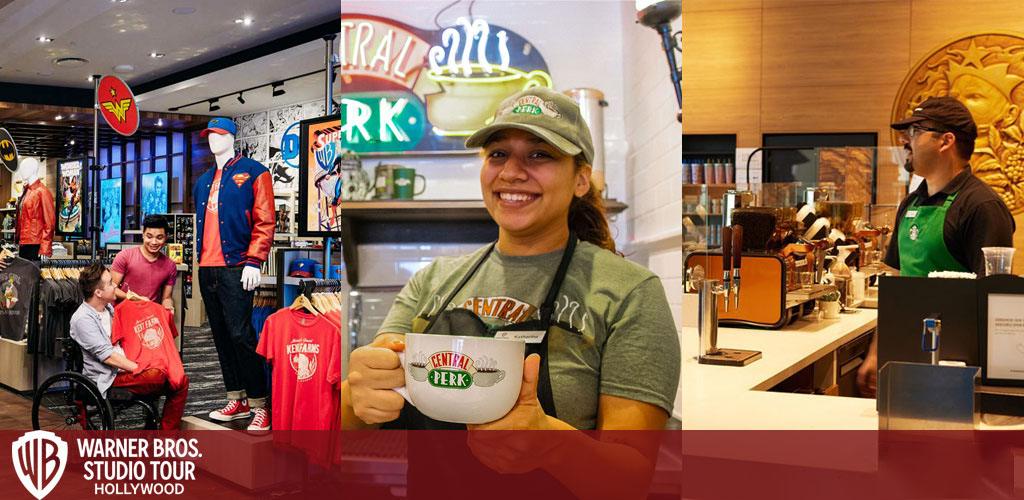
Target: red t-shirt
(305, 351)
(146, 333)
(212, 255)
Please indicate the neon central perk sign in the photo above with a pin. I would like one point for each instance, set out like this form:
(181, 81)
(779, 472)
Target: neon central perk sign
(376, 49)
(421, 90)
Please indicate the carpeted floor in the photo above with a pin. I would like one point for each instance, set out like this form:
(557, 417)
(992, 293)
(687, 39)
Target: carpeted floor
(206, 384)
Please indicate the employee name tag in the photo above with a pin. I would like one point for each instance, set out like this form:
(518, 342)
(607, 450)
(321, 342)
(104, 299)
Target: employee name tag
(528, 336)
(911, 213)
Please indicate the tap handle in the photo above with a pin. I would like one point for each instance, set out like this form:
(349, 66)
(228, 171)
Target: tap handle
(737, 246)
(726, 248)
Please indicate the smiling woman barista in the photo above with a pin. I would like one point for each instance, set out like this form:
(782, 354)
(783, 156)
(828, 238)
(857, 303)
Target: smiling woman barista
(944, 223)
(610, 356)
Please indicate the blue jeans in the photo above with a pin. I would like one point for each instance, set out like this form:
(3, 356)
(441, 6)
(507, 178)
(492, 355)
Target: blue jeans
(229, 307)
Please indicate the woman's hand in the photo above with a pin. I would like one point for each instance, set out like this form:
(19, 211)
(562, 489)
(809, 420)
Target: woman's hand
(520, 450)
(527, 413)
(373, 371)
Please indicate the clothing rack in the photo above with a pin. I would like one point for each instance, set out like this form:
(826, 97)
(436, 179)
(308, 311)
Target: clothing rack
(33, 314)
(308, 287)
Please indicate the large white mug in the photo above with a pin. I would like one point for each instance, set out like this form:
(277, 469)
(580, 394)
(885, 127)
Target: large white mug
(465, 380)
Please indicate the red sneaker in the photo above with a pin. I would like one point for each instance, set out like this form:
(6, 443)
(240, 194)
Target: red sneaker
(234, 410)
(261, 421)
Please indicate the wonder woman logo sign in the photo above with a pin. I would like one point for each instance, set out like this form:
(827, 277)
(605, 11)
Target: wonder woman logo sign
(117, 105)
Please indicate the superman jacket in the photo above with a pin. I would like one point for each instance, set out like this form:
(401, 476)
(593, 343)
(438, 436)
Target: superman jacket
(245, 208)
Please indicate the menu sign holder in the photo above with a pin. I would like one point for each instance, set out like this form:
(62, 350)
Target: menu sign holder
(1001, 328)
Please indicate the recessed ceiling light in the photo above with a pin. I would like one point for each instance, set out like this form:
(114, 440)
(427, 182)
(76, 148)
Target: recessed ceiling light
(184, 11)
(44, 39)
(119, 1)
(69, 62)
(247, 21)
(72, 142)
(124, 68)
(160, 122)
(90, 78)
(59, 117)
(155, 55)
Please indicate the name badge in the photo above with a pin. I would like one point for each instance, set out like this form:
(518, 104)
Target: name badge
(911, 214)
(528, 336)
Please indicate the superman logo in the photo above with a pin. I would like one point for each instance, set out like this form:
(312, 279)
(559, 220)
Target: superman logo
(240, 179)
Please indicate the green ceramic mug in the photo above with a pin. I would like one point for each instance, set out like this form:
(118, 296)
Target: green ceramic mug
(405, 182)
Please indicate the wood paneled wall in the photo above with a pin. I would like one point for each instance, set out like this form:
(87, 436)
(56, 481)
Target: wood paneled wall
(753, 67)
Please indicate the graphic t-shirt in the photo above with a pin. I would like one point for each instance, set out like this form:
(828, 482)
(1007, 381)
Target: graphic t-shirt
(617, 335)
(146, 332)
(143, 277)
(211, 255)
(305, 351)
(17, 286)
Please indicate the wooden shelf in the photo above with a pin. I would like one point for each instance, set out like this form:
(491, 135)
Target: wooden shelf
(417, 221)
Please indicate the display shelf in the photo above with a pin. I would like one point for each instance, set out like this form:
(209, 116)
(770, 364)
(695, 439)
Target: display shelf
(418, 221)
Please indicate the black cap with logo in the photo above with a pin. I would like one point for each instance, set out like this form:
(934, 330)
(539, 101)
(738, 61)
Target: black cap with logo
(946, 112)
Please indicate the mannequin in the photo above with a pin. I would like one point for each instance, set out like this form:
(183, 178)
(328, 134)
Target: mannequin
(36, 214)
(234, 231)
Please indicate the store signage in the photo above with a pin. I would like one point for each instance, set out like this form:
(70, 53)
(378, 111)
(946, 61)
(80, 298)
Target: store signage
(417, 90)
(375, 48)
(117, 105)
(71, 185)
(8, 151)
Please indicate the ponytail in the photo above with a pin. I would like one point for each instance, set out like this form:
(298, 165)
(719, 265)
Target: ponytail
(587, 216)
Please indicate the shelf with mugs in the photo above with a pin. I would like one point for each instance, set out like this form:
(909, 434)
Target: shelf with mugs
(418, 221)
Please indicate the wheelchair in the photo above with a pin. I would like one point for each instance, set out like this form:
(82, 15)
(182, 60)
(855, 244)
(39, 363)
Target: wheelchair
(70, 401)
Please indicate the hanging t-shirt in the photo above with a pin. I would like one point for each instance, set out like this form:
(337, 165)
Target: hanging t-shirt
(305, 351)
(143, 277)
(146, 332)
(211, 255)
(18, 284)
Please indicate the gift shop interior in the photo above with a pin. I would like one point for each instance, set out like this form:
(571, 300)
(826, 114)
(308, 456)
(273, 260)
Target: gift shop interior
(131, 133)
(851, 206)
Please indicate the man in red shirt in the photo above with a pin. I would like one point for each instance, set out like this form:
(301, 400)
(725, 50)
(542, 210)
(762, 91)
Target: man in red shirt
(145, 270)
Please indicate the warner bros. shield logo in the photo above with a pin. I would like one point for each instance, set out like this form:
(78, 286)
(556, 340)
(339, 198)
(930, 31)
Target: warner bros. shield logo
(39, 459)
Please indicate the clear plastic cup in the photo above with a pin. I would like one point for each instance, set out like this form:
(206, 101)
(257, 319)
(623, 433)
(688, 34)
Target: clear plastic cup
(998, 260)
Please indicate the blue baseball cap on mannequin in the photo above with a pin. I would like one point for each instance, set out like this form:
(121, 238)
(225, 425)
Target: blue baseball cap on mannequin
(220, 125)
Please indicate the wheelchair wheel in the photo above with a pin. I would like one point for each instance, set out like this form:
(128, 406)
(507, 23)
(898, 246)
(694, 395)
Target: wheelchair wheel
(70, 401)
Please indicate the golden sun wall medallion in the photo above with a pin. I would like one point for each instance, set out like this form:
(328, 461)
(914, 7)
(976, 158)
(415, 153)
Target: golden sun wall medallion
(985, 72)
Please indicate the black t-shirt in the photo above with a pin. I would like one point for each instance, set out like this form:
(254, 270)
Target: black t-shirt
(17, 286)
(977, 218)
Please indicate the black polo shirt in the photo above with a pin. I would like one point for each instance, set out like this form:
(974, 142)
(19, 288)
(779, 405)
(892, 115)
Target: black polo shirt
(977, 218)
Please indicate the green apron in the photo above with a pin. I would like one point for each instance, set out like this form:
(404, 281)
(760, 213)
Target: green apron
(922, 247)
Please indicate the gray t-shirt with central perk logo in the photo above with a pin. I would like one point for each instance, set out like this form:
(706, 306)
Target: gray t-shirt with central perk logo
(621, 338)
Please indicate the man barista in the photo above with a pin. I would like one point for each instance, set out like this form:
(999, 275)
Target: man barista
(234, 231)
(944, 223)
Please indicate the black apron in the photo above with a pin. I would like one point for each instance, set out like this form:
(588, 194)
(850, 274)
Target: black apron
(467, 323)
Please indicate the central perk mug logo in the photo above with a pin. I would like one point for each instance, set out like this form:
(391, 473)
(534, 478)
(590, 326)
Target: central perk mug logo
(455, 370)
(39, 458)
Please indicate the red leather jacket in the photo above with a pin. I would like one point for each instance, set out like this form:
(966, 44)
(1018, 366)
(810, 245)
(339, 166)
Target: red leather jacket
(36, 218)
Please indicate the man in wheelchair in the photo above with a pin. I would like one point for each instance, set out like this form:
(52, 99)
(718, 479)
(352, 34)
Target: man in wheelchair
(104, 363)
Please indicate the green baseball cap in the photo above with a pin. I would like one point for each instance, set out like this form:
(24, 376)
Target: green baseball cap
(550, 115)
